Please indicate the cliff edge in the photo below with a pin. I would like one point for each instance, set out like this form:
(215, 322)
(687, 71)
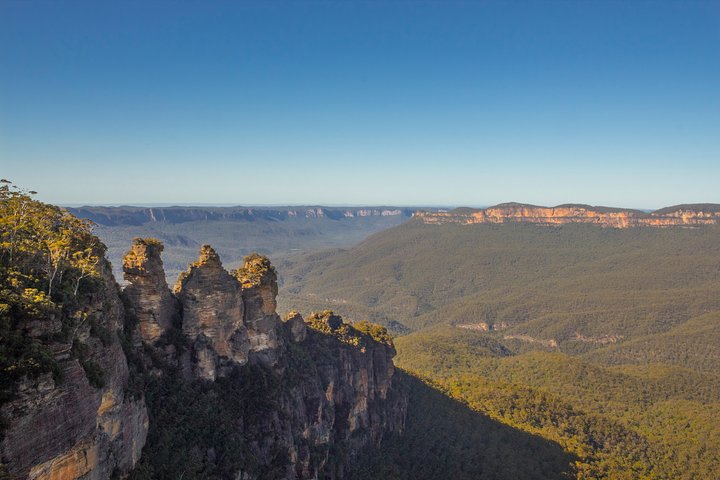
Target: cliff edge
(691, 215)
(202, 381)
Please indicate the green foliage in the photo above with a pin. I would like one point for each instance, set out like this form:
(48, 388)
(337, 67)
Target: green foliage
(576, 284)
(357, 334)
(197, 428)
(101, 332)
(605, 342)
(328, 323)
(444, 438)
(94, 372)
(256, 267)
(22, 356)
(150, 242)
(651, 421)
(377, 332)
(48, 260)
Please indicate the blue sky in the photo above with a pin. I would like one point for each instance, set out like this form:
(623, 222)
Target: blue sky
(382, 102)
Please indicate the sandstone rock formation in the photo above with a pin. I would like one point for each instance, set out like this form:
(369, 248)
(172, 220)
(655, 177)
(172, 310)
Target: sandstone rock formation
(306, 398)
(213, 315)
(312, 415)
(344, 398)
(295, 326)
(82, 422)
(152, 304)
(259, 290)
(681, 215)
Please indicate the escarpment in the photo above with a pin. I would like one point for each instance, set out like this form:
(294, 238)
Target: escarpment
(302, 398)
(204, 381)
(212, 315)
(152, 304)
(260, 289)
(679, 216)
(79, 420)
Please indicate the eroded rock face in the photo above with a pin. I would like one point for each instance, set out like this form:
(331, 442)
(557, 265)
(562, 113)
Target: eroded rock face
(213, 315)
(312, 395)
(681, 215)
(295, 326)
(259, 291)
(148, 294)
(66, 427)
(340, 397)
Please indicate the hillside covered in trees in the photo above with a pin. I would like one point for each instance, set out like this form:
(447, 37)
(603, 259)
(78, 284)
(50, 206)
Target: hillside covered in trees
(208, 381)
(603, 341)
(524, 352)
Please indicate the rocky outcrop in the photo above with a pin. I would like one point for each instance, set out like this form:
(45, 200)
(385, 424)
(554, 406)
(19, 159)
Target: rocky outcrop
(80, 422)
(322, 390)
(149, 298)
(343, 398)
(259, 289)
(213, 315)
(295, 327)
(235, 390)
(681, 215)
(330, 396)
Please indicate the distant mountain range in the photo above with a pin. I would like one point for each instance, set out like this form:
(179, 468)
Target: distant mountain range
(605, 341)
(690, 215)
(125, 215)
(279, 231)
(236, 231)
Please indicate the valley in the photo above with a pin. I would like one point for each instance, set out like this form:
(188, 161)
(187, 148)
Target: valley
(235, 231)
(602, 340)
(524, 349)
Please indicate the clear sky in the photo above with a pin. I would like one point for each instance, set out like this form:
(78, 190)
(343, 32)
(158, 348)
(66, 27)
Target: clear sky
(379, 102)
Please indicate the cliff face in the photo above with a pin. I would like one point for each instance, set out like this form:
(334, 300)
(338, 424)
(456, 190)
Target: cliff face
(212, 316)
(260, 289)
(682, 215)
(232, 391)
(342, 399)
(152, 304)
(111, 216)
(81, 422)
(303, 399)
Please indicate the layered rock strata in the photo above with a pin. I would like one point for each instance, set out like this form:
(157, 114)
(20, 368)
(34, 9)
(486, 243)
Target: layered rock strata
(333, 383)
(259, 287)
(681, 215)
(306, 397)
(82, 422)
(213, 315)
(152, 304)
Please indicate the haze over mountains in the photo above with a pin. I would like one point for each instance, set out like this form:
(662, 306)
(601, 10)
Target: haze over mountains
(533, 343)
(236, 231)
(280, 231)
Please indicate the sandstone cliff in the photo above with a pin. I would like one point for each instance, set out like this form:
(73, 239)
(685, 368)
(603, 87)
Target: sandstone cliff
(151, 302)
(330, 397)
(212, 316)
(260, 289)
(80, 421)
(681, 215)
(205, 381)
(301, 399)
